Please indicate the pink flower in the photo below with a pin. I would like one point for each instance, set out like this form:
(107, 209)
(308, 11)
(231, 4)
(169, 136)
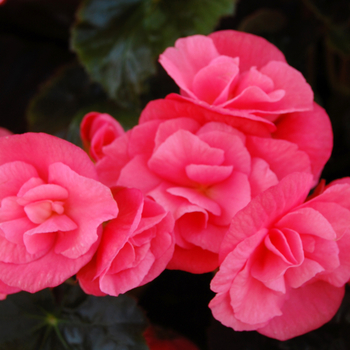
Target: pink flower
(284, 262)
(98, 130)
(3, 131)
(135, 247)
(236, 74)
(51, 211)
(202, 174)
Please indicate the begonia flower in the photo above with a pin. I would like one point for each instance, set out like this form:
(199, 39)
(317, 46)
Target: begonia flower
(135, 248)
(284, 261)
(52, 208)
(98, 130)
(237, 74)
(202, 174)
(5, 132)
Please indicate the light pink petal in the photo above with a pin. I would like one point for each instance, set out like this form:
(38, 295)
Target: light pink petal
(10, 209)
(254, 99)
(29, 185)
(178, 151)
(326, 253)
(5, 132)
(194, 260)
(123, 260)
(221, 127)
(252, 50)
(299, 95)
(261, 177)
(127, 279)
(299, 275)
(43, 192)
(176, 106)
(169, 127)
(15, 229)
(254, 78)
(38, 212)
(235, 261)
(41, 242)
(306, 309)
(16, 253)
(340, 275)
(308, 221)
(252, 301)
(235, 154)
(47, 149)
(87, 280)
(142, 138)
(312, 132)
(5, 289)
(266, 208)
(278, 154)
(87, 208)
(48, 271)
(208, 238)
(137, 174)
(231, 195)
(223, 312)
(116, 157)
(197, 198)
(189, 56)
(208, 174)
(118, 231)
(212, 83)
(335, 214)
(13, 175)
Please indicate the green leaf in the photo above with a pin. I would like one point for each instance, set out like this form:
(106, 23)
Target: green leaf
(118, 41)
(64, 100)
(77, 322)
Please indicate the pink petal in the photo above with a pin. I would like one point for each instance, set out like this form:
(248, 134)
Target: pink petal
(266, 208)
(236, 153)
(208, 174)
(50, 270)
(306, 309)
(88, 209)
(116, 157)
(212, 83)
(169, 127)
(15, 229)
(189, 56)
(252, 50)
(278, 153)
(195, 260)
(13, 175)
(138, 175)
(175, 106)
(197, 198)
(231, 195)
(252, 301)
(261, 177)
(178, 151)
(308, 221)
(312, 132)
(47, 149)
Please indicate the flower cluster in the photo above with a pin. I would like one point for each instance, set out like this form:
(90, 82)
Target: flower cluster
(215, 178)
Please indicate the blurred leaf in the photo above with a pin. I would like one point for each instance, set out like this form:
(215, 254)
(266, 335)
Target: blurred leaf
(63, 101)
(263, 21)
(336, 17)
(33, 321)
(118, 41)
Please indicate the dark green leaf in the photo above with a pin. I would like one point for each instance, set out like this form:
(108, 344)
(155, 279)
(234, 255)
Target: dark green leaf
(66, 318)
(118, 41)
(66, 98)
